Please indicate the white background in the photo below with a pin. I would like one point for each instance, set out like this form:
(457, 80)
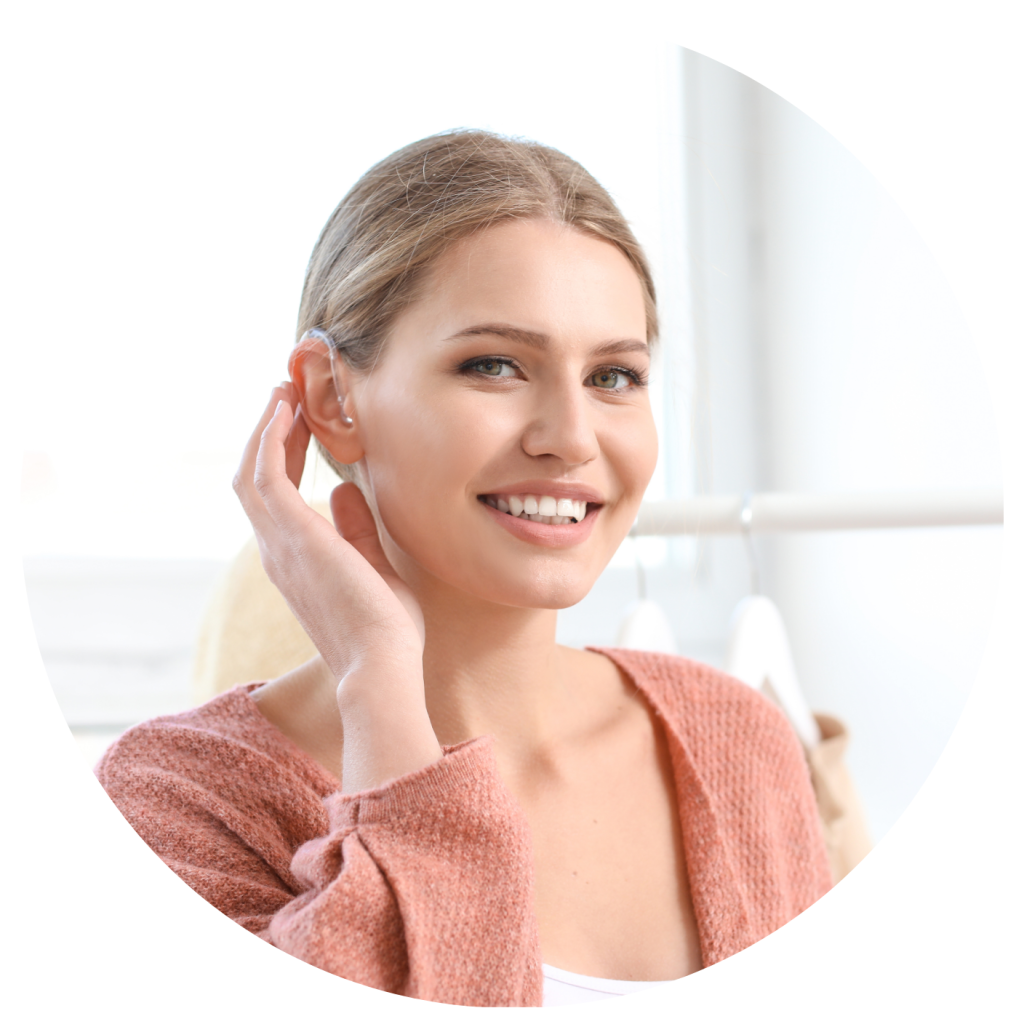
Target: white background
(928, 98)
(807, 343)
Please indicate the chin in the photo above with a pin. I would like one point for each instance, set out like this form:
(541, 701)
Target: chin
(552, 587)
(552, 601)
(564, 594)
(561, 588)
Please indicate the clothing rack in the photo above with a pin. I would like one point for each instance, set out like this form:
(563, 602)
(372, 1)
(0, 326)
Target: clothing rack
(779, 512)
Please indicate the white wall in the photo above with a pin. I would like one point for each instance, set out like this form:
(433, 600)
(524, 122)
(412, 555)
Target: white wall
(837, 361)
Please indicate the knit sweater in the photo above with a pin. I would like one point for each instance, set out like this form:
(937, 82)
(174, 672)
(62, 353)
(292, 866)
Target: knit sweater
(424, 886)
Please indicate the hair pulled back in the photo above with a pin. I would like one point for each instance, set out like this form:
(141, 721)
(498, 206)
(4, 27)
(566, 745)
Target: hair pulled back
(407, 210)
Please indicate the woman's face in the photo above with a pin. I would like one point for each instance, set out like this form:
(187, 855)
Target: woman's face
(517, 375)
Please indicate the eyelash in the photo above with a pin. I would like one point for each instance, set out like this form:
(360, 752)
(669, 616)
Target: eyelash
(638, 377)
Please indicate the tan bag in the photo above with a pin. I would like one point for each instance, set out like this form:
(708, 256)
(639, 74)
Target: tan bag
(839, 807)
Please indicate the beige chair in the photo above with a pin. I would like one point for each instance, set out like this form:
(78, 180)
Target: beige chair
(248, 632)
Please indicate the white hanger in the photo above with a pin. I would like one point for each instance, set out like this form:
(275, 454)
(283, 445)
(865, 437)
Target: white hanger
(759, 654)
(645, 626)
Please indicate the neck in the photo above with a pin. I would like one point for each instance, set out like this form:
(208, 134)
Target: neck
(488, 669)
(492, 669)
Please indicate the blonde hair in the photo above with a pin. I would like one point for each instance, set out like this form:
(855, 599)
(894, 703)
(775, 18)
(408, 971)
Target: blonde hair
(407, 210)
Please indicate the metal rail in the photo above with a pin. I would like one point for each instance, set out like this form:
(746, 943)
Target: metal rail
(768, 512)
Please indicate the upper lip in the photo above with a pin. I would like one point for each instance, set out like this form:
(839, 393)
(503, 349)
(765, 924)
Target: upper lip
(555, 488)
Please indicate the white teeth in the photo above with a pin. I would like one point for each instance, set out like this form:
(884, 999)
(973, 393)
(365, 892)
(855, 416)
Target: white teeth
(540, 508)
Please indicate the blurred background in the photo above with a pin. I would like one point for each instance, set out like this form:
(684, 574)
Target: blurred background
(808, 344)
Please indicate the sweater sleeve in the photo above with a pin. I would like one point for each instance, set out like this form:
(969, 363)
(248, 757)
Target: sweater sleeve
(421, 887)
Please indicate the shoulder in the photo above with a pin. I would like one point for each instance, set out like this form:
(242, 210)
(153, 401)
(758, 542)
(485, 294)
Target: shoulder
(218, 792)
(732, 734)
(699, 698)
(222, 798)
(217, 746)
(219, 722)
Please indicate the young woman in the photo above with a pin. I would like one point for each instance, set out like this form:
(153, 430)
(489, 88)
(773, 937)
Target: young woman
(445, 803)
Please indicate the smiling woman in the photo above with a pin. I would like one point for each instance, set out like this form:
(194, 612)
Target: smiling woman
(495, 384)
(445, 803)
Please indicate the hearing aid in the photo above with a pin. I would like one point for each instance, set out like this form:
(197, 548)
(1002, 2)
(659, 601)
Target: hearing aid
(315, 332)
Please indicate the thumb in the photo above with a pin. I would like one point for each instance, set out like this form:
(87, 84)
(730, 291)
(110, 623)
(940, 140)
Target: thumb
(354, 521)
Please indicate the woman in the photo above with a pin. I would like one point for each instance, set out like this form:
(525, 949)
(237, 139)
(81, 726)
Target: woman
(445, 803)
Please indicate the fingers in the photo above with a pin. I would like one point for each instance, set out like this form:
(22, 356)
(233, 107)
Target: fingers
(354, 521)
(295, 447)
(243, 480)
(272, 462)
(270, 476)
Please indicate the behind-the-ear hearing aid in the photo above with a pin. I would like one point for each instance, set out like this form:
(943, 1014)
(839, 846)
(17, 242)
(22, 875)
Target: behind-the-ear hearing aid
(315, 332)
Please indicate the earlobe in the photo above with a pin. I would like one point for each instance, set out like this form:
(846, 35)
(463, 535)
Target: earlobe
(323, 384)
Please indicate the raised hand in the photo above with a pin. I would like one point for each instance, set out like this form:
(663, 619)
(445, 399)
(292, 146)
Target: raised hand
(364, 621)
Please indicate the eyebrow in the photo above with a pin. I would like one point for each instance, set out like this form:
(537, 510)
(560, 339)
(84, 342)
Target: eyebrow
(536, 340)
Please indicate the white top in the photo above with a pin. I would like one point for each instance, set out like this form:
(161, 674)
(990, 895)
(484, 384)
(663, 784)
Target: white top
(563, 987)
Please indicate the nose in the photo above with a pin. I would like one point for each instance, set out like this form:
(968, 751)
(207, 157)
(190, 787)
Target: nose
(562, 426)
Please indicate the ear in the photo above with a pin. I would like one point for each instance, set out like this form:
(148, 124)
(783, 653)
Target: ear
(331, 416)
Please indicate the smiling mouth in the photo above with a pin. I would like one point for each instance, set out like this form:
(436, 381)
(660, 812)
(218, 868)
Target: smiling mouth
(538, 508)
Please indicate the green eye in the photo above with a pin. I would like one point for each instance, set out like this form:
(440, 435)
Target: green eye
(494, 368)
(610, 380)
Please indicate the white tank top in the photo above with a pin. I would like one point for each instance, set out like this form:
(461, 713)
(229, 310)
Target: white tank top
(563, 987)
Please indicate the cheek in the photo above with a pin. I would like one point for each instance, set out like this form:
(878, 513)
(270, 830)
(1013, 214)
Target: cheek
(633, 450)
(410, 439)
(425, 447)
(415, 469)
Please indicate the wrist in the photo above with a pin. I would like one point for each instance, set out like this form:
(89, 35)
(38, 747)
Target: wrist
(387, 731)
(377, 684)
(352, 660)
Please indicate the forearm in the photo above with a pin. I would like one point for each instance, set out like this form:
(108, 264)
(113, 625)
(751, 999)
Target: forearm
(422, 886)
(387, 730)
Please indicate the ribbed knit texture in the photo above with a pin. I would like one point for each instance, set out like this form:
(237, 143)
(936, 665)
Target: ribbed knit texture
(424, 886)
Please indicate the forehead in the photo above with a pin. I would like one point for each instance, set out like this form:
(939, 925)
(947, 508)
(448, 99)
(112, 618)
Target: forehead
(546, 277)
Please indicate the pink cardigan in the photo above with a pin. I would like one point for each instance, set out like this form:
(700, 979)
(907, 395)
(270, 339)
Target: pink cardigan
(424, 886)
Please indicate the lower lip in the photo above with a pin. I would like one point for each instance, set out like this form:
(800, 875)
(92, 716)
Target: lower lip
(545, 534)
